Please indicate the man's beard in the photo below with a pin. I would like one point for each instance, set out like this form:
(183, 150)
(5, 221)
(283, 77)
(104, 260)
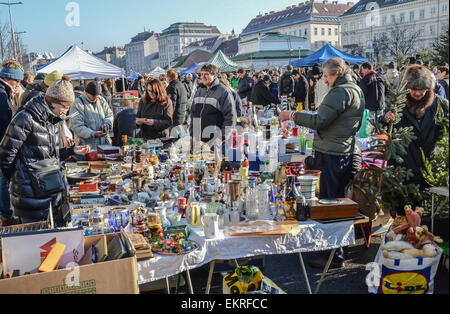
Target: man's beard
(418, 107)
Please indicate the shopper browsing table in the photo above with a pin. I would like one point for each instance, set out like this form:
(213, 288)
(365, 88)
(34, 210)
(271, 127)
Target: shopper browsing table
(336, 123)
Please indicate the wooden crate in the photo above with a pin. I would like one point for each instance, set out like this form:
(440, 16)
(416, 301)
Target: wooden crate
(347, 209)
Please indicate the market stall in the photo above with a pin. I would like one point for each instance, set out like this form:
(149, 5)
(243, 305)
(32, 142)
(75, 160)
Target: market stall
(173, 211)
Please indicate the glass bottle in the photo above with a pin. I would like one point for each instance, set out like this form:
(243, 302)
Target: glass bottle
(251, 202)
(290, 202)
(302, 207)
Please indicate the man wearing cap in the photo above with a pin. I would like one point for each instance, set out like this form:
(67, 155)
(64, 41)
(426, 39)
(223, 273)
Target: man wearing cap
(10, 77)
(40, 86)
(261, 94)
(30, 148)
(95, 119)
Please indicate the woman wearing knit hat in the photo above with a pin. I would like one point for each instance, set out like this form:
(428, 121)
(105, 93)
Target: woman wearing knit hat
(422, 105)
(30, 156)
(10, 76)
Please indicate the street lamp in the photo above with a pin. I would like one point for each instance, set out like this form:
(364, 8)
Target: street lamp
(9, 4)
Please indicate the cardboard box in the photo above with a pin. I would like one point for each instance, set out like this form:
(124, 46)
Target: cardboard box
(347, 209)
(114, 277)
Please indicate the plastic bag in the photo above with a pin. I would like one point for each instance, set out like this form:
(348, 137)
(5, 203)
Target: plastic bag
(365, 130)
(402, 276)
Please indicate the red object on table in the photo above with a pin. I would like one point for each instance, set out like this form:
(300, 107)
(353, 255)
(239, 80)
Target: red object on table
(92, 156)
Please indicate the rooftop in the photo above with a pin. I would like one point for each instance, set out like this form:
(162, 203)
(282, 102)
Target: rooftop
(303, 12)
(364, 5)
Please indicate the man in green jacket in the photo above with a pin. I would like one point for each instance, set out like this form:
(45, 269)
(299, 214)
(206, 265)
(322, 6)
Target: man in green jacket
(336, 123)
(234, 81)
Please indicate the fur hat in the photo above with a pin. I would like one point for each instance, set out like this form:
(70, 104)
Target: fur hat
(61, 90)
(419, 77)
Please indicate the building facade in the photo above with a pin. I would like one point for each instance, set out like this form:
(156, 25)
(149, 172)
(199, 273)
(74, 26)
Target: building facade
(113, 55)
(271, 49)
(174, 39)
(140, 52)
(370, 20)
(318, 22)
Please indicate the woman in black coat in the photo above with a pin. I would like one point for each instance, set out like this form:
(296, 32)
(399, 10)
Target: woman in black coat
(30, 155)
(155, 112)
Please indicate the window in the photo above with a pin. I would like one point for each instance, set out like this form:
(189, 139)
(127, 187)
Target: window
(315, 31)
(433, 11)
(422, 13)
(345, 27)
(359, 25)
(352, 25)
(402, 17)
(444, 8)
(411, 16)
(431, 29)
(393, 19)
(329, 32)
(323, 32)
(336, 32)
(384, 20)
(306, 32)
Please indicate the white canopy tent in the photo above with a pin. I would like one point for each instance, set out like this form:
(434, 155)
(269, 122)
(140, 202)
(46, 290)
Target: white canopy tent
(80, 65)
(157, 72)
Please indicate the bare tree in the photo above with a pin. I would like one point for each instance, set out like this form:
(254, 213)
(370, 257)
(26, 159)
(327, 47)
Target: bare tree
(398, 41)
(3, 40)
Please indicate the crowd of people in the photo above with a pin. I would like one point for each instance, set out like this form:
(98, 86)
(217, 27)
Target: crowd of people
(36, 134)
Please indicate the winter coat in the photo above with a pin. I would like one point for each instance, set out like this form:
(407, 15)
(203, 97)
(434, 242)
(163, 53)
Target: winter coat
(301, 91)
(91, 118)
(322, 90)
(338, 118)
(214, 106)
(162, 117)
(189, 86)
(33, 135)
(287, 84)
(444, 84)
(245, 87)
(369, 87)
(393, 77)
(261, 95)
(274, 89)
(234, 82)
(178, 94)
(6, 107)
(427, 133)
(32, 92)
(124, 124)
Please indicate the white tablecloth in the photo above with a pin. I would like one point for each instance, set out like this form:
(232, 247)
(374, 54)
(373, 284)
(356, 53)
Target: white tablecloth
(314, 236)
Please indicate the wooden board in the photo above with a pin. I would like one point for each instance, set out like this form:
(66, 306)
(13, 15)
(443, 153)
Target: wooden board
(264, 228)
(347, 209)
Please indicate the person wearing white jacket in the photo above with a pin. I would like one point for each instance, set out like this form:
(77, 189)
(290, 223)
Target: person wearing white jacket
(95, 119)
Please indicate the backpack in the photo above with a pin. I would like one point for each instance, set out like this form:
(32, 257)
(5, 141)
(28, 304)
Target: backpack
(286, 84)
(380, 92)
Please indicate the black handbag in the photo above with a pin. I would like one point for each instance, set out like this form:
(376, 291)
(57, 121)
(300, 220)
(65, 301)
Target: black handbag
(46, 177)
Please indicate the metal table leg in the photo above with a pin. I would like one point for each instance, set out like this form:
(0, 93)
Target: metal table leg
(305, 274)
(330, 258)
(211, 269)
(167, 285)
(188, 275)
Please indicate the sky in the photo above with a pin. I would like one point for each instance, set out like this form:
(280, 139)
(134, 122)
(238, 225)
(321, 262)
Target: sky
(50, 27)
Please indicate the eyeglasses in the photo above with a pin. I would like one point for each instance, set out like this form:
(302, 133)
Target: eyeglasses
(64, 106)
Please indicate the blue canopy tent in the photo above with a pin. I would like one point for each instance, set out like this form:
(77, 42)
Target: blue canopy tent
(133, 76)
(325, 53)
(190, 70)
